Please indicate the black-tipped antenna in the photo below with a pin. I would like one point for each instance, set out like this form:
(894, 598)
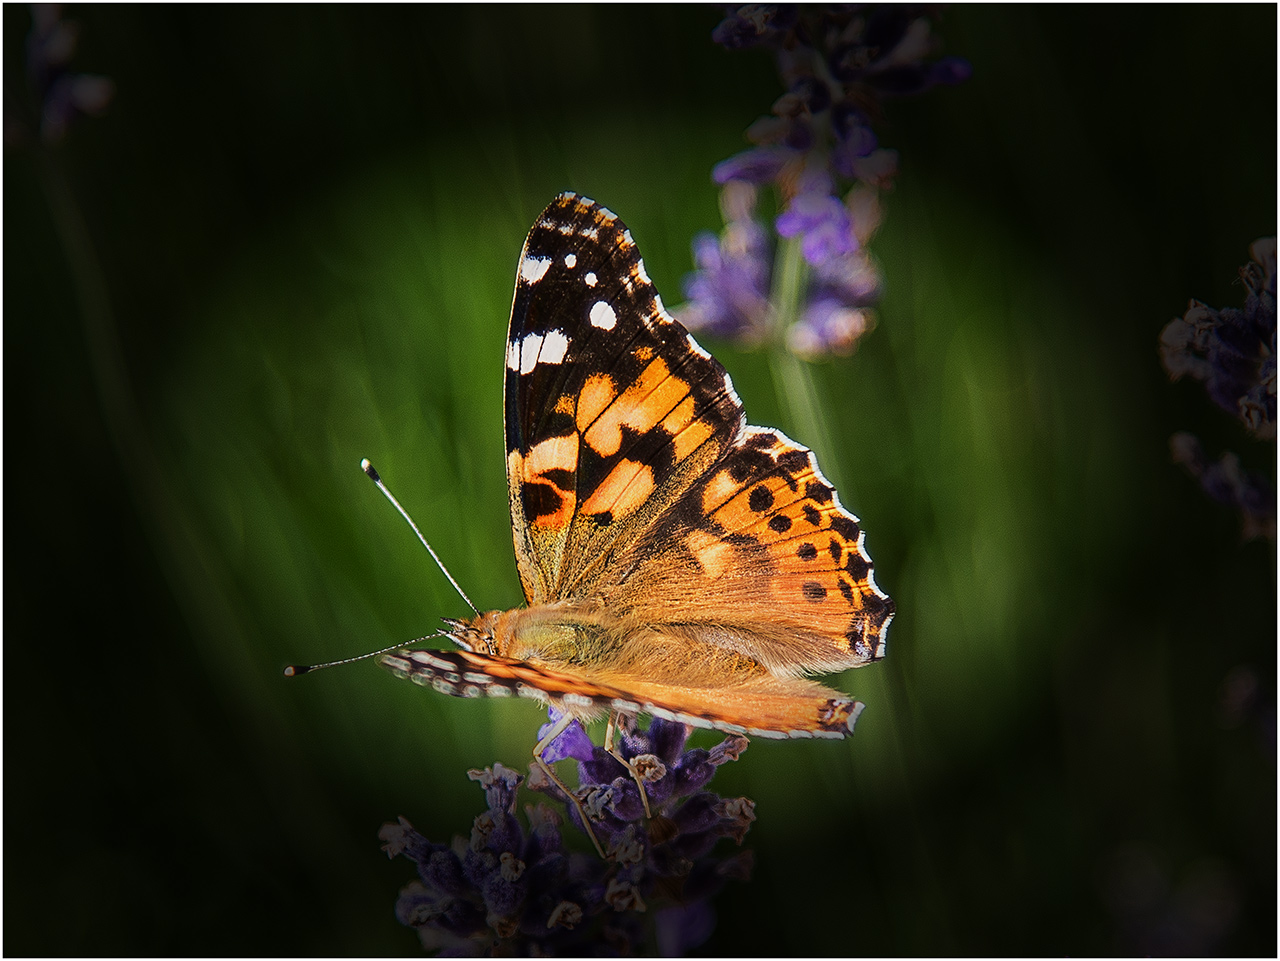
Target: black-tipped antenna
(295, 670)
(373, 476)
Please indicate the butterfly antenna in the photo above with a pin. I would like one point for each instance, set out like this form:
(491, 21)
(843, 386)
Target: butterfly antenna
(294, 670)
(373, 476)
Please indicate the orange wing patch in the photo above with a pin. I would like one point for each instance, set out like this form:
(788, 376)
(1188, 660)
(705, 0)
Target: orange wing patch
(544, 479)
(597, 393)
(623, 491)
(642, 406)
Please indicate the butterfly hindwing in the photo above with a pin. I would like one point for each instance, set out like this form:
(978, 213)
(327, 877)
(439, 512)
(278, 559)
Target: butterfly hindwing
(762, 553)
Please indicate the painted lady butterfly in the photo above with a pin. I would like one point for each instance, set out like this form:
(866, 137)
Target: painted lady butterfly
(676, 561)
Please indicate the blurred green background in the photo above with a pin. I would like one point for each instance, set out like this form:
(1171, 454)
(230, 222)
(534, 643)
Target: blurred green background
(290, 243)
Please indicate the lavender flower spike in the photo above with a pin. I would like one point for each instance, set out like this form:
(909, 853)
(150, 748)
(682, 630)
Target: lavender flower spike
(512, 889)
(1232, 351)
(817, 148)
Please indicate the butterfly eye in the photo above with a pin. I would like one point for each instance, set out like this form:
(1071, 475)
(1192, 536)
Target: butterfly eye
(476, 635)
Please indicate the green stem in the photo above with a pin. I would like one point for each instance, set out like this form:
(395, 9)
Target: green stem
(792, 378)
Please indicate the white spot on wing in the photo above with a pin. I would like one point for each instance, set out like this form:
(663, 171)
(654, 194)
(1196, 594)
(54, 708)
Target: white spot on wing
(640, 271)
(554, 347)
(529, 348)
(513, 355)
(602, 316)
(571, 260)
(696, 347)
(430, 661)
(533, 268)
(590, 278)
(539, 349)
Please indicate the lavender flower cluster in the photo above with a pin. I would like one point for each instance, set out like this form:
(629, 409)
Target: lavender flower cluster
(59, 95)
(509, 889)
(838, 63)
(1232, 351)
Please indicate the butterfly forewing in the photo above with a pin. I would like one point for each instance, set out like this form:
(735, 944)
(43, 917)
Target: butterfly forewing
(612, 410)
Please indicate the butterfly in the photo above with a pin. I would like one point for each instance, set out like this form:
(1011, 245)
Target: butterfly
(675, 561)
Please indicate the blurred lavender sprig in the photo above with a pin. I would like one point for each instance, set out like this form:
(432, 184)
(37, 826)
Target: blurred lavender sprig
(512, 889)
(1232, 351)
(1227, 482)
(57, 95)
(820, 153)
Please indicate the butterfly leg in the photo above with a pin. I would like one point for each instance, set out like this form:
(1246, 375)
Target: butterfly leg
(631, 768)
(545, 768)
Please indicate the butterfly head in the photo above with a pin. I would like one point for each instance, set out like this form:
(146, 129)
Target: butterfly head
(474, 635)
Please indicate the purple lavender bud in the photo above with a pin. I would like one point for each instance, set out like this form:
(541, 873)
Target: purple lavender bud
(572, 742)
(477, 865)
(443, 872)
(813, 93)
(401, 838)
(625, 804)
(415, 905)
(666, 739)
(63, 95)
(759, 165)
(502, 896)
(877, 168)
(754, 24)
(601, 768)
(691, 772)
(730, 749)
(728, 293)
(824, 223)
(698, 814)
(499, 783)
(1227, 482)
